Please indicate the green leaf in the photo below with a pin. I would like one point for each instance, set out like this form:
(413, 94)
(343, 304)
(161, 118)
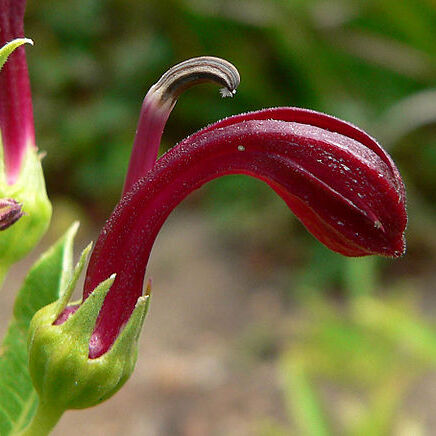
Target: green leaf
(301, 398)
(44, 284)
(7, 49)
(410, 333)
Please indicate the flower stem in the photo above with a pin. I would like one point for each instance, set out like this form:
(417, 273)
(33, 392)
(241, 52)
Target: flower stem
(46, 417)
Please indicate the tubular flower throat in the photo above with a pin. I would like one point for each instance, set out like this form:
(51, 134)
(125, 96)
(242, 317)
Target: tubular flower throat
(337, 180)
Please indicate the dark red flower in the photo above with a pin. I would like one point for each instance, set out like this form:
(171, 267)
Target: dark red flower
(338, 181)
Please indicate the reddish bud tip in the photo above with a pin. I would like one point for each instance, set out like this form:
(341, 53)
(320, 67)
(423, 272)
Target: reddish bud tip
(10, 212)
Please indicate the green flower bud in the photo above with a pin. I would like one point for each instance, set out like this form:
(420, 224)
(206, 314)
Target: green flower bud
(29, 191)
(63, 374)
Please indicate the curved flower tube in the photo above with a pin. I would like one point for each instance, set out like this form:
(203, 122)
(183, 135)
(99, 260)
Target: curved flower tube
(337, 180)
(346, 193)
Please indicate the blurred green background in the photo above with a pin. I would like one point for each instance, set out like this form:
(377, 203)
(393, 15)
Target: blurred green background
(356, 334)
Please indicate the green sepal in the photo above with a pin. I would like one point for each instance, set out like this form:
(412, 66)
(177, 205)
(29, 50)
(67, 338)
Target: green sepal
(62, 372)
(127, 345)
(8, 48)
(29, 190)
(68, 289)
(81, 325)
(43, 285)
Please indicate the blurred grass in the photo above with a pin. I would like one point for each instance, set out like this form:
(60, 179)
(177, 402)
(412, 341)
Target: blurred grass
(357, 367)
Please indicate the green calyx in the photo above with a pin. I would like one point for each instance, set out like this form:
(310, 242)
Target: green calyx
(29, 190)
(62, 373)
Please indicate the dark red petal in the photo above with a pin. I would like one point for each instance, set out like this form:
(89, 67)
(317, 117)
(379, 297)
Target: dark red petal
(316, 119)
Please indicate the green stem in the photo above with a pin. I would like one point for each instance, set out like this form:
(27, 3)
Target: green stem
(46, 417)
(4, 268)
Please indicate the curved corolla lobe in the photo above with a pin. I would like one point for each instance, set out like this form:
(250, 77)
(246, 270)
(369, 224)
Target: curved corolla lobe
(341, 190)
(348, 186)
(316, 119)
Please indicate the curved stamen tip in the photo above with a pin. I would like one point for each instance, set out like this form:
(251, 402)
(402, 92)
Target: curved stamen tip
(227, 93)
(194, 71)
